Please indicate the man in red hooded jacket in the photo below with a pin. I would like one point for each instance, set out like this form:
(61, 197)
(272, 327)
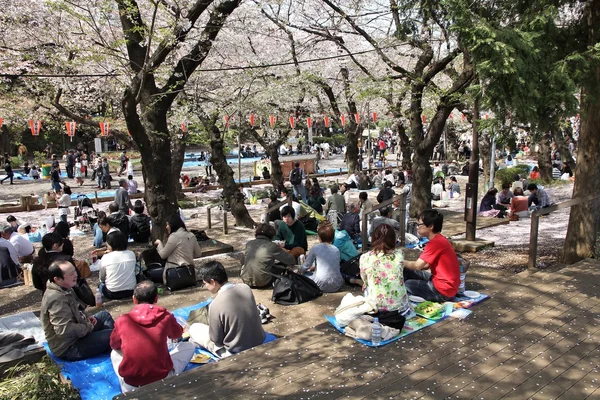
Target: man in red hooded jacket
(139, 341)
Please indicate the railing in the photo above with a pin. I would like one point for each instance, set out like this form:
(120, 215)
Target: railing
(535, 222)
(364, 234)
(209, 214)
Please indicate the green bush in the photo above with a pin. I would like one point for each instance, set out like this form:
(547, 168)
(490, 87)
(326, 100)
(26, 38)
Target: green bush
(335, 140)
(39, 381)
(507, 175)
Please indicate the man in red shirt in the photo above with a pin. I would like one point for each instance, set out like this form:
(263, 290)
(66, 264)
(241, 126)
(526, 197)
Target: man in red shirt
(139, 341)
(441, 284)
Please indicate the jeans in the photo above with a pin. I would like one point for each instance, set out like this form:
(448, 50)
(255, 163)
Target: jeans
(123, 294)
(419, 283)
(300, 192)
(94, 343)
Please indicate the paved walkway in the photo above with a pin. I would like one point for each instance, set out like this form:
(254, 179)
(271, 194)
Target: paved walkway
(537, 337)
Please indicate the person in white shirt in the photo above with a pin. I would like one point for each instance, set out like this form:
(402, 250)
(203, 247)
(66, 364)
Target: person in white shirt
(436, 190)
(8, 245)
(64, 202)
(352, 181)
(22, 245)
(117, 268)
(132, 186)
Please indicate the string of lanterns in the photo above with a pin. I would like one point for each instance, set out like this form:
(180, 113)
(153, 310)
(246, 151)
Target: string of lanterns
(71, 126)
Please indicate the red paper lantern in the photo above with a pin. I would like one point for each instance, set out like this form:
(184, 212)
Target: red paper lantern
(226, 119)
(462, 116)
(71, 127)
(423, 119)
(35, 127)
(309, 122)
(105, 128)
(374, 117)
(252, 120)
(184, 127)
(1, 120)
(486, 116)
(343, 119)
(326, 120)
(292, 121)
(272, 121)
(357, 118)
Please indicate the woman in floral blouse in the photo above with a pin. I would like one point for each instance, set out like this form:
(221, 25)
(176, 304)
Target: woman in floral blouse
(381, 270)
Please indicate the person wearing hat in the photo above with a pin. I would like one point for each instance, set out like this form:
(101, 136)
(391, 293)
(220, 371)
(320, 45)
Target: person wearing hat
(22, 246)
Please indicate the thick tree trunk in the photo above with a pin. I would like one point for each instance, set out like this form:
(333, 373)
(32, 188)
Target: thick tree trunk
(157, 169)
(403, 144)
(353, 134)
(422, 176)
(583, 221)
(544, 157)
(563, 148)
(225, 174)
(276, 171)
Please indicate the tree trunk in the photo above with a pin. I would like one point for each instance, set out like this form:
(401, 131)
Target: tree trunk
(403, 144)
(422, 177)
(353, 134)
(178, 154)
(484, 152)
(544, 157)
(157, 169)
(563, 148)
(583, 221)
(276, 171)
(225, 174)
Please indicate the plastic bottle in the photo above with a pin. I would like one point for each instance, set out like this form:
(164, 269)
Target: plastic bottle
(98, 297)
(376, 333)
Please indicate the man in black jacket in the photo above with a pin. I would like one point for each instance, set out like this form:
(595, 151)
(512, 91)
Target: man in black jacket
(386, 193)
(139, 224)
(351, 221)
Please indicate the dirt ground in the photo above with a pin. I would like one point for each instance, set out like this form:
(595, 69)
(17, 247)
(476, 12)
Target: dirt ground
(507, 257)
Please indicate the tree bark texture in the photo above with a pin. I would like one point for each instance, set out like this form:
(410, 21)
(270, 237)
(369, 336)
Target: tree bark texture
(563, 147)
(584, 218)
(544, 157)
(225, 174)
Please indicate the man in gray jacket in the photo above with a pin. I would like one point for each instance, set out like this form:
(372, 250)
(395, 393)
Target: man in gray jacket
(263, 257)
(233, 321)
(71, 335)
(122, 197)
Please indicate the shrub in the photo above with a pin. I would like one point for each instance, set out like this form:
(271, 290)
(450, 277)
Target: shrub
(38, 381)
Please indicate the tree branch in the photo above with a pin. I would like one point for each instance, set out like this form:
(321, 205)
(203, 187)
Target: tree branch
(133, 28)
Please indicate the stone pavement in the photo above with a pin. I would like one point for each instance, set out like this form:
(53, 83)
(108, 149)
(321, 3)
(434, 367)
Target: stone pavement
(537, 337)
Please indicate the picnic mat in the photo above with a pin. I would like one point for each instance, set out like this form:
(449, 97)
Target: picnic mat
(27, 324)
(95, 377)
(416, 323)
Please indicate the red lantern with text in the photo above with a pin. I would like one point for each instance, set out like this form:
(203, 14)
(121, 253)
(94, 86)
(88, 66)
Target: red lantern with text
(343, 119)
(292, 122)
(71, 128)
(272, 121)
(35, 127)
(309, 122)
(252, 120)
(104, 128)
(326, 120)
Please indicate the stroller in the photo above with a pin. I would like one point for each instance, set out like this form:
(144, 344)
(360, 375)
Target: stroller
(85, 212)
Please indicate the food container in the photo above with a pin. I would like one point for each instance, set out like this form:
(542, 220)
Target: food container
(429, 310)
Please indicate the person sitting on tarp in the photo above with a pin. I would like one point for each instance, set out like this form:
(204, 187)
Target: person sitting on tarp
(322, 264)
(263, 257)
(140, 354)
(351, 221)
(292, 232)
(71, 335)
(233, 321)
(441, 284)
(139, 224)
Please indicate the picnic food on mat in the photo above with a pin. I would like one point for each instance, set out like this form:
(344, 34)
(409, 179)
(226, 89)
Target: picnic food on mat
(200, 359)
(428, 309)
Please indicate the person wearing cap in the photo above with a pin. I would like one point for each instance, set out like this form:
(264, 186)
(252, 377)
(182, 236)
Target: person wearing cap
(22, 245)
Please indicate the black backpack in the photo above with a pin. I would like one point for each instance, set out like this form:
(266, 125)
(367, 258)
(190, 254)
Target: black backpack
(296, 177)
(291, 288)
